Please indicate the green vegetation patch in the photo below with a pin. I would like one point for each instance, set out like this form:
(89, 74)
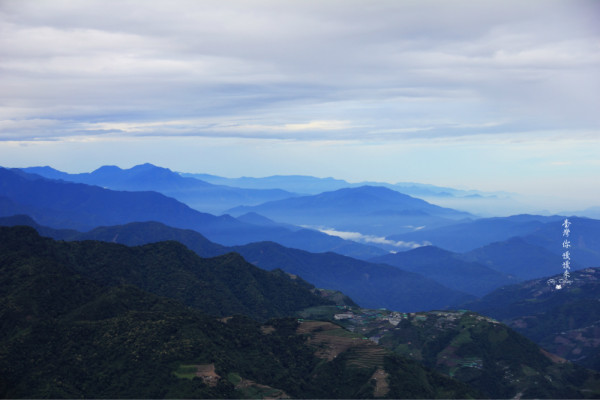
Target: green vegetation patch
(234, 378)
(320, 312)
(528, 371)
(497, 335)
(342, 333)
(462, 338)
(186, 371)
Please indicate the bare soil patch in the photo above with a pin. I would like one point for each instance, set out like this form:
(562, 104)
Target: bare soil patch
(331, 340)
(207, 373)
(553, 357)
(382, 386)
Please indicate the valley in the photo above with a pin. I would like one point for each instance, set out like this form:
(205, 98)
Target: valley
(463, 310)
(260, 199)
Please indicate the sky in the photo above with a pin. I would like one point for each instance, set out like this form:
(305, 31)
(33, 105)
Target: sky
(488, 95)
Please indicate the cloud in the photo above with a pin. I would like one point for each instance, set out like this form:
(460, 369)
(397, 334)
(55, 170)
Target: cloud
(381, 71)
(483, 94)
(359, 237)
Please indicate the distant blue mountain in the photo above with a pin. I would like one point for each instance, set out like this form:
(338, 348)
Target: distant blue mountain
(448, 269)
(584, 238)
(200, 195)
(80, 206)
(370, 285)
(61, 204)
(312, 185)
(292, 183)
(523, 246)
(469, 235)
(257, 219)
(519, 258)
(590, 212)
(367, 209)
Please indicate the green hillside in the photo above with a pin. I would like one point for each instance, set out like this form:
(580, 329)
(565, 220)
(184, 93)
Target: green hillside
(67, 334)
(474, 349)
(370, 285)
(565, 322)
(223, 285)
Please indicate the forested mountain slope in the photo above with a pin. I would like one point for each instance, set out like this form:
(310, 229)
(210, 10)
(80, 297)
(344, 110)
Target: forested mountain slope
(369, 284)
(219, 286)
(565, 322)
(68, 332)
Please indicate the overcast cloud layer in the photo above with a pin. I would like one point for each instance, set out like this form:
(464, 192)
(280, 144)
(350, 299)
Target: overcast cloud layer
(421, 73)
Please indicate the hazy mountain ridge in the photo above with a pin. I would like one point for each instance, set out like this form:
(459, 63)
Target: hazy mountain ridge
(473, 201)
(312, 185)
(449, 269)
(79, 206)
(519, 258)
(369, 284)
(367, 209)
(446, 268)
(230, 231)
(584, 238)
(469, 235)
(573, 329)
(524, 246)
(200, 195)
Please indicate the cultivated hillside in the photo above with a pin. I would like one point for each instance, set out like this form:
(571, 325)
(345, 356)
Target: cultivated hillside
(68, 332)
(565, 322)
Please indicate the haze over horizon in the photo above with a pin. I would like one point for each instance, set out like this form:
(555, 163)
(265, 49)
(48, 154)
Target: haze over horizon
(492, 96)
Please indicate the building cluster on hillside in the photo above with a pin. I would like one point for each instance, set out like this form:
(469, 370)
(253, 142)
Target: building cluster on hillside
(366, 320)
(369, 317)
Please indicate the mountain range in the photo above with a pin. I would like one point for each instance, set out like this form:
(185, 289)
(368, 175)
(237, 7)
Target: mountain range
(199, 195)
(540, 237)
(369, 210)
(312, 185)
(519, 258)
(77, 323)
(468, 235)
(474, 201)
(369, 284)
(565, 322)
(83, 207)
(448, 269)
(387, 210)
(61, 204)
(122, 289)
(71, 331)
(219, 286)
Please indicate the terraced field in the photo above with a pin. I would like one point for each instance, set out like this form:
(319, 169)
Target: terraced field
(331, 340)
